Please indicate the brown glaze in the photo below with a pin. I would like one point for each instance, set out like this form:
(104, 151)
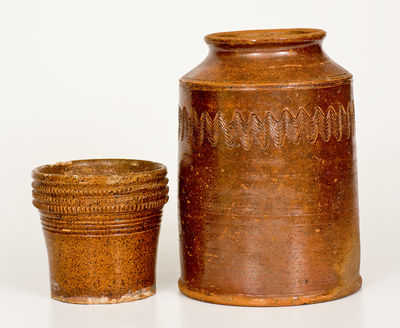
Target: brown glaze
(267, 172)
(101, 222)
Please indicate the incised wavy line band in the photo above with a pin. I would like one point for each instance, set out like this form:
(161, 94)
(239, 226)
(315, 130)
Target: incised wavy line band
(336, 121)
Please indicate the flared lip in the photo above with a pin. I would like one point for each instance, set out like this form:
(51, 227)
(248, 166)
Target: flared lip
(109, 171)
(270, 36)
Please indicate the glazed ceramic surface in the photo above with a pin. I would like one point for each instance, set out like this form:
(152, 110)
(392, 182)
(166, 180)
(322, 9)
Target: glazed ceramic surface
(101, 222)
(267, 172)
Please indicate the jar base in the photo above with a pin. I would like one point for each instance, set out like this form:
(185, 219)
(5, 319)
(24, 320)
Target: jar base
(129, 297)
(246, 300)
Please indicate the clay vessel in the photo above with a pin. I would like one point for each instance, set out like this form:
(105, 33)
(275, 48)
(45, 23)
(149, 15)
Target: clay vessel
(101, 221)
(267, 172)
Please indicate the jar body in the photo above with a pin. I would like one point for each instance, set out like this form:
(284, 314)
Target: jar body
(267, 181)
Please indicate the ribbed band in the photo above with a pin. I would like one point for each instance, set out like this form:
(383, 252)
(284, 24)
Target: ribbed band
(92, 204)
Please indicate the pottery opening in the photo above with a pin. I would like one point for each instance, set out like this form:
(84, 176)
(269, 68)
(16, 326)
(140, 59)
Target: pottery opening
(251, 37)
(100, 167)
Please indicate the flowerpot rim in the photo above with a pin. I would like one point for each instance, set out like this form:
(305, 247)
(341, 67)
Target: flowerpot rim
(108, 171)
(267, 36)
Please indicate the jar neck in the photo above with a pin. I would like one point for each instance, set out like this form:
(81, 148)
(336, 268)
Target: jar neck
(266, 43)
(271, 50)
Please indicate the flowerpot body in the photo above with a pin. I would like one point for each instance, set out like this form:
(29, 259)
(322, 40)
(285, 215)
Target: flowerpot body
(101, 223)
(267, 172)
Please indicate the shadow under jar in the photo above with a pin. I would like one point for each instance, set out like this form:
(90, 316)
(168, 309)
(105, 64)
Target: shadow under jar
(101, 221)
(267, 172)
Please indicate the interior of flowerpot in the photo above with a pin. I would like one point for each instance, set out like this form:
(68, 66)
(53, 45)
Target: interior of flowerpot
(100, 167)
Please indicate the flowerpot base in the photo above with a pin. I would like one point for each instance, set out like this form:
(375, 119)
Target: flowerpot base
(246, 300)
(129, 297)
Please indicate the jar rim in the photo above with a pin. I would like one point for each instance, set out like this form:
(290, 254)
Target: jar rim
(268, 36)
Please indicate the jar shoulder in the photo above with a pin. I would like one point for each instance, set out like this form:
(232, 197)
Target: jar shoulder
(265, 69)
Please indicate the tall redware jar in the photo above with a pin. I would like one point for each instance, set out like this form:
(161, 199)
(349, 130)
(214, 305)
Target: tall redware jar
(267, 172)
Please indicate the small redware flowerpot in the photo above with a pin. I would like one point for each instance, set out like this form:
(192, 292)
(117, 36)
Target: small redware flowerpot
(101, 221)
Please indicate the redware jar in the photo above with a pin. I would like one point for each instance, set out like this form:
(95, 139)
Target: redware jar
(267, 172)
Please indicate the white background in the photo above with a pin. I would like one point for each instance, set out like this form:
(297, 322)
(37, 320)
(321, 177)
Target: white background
(97, 79)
